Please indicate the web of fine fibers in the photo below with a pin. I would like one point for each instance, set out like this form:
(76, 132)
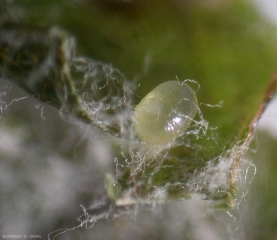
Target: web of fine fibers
(145, 173)
(107, 95)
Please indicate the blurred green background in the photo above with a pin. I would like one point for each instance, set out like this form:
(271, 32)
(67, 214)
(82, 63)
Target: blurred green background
(51, 164)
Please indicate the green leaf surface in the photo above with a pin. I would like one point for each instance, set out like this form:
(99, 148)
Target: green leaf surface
(227, 49)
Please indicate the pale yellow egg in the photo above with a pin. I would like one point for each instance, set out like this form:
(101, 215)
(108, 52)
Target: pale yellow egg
(165, 113)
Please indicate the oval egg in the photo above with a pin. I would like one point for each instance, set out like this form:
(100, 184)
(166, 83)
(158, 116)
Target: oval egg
(165, 113)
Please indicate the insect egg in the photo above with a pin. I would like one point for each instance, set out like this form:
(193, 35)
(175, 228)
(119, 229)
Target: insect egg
(165, 113)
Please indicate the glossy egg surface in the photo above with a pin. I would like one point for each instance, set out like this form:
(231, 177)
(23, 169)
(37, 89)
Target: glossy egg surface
(165, 113)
